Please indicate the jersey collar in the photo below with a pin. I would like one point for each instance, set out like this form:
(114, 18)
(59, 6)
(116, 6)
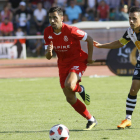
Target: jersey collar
(61, 30)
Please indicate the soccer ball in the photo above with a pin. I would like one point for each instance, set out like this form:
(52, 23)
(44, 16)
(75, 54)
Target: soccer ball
(59, 132)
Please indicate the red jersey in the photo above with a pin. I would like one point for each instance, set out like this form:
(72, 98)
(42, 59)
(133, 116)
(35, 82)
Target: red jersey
(6, 28)
(103, 11)
(66, 44)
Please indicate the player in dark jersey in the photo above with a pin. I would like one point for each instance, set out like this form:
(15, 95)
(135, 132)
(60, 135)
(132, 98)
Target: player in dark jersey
(72, 60)
(133, 34)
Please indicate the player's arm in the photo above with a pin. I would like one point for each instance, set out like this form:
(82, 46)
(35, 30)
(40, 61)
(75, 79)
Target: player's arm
(89, 41)
(112, 45)
(48, 52)
(115, 44)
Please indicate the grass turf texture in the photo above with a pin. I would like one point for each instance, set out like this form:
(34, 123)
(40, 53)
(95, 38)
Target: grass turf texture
(30, 107)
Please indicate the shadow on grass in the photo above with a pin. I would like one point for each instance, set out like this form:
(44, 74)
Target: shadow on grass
(116, 129)
(44, 131)
(24, 131)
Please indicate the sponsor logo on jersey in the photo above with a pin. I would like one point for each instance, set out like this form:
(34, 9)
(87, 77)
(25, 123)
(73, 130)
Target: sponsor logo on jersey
(80, 32)
(50, 37)
(65, 38)
(61, 47)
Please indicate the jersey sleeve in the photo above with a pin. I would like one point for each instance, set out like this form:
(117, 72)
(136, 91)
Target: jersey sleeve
(125, 39)
(46, 40)
(78, 34)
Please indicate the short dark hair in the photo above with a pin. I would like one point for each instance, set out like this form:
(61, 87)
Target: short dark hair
(56, 9)
(134, 9)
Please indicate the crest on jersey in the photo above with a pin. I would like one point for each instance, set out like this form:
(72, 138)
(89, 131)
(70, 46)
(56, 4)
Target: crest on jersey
(65, 38)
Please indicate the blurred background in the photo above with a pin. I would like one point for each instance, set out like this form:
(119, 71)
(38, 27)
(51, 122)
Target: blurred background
(22, 23)
(29, 18)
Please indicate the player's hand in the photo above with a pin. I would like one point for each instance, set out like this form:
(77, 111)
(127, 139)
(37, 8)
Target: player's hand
(89, 62)
(50, 47)
(96, 44)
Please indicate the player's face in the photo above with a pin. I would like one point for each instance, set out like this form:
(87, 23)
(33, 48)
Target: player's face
(134, 20)
(55, 21)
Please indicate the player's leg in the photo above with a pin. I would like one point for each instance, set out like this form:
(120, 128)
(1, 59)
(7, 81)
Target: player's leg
(130, 104)
(69, 92)
(74, 81)
(132, 97)
(79, 68)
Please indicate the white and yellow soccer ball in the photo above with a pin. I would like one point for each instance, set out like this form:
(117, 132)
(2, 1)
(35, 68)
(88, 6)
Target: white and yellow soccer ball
(59, 132)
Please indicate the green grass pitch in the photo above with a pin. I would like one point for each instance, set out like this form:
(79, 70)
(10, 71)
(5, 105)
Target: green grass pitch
(30, 107)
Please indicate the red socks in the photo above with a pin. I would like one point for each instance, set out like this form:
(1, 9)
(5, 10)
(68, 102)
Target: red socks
(79, 106)
(81, 109)
(77, 88)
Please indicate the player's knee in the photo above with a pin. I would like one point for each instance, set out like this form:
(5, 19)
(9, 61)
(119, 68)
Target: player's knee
(69, 86)
(133, 92)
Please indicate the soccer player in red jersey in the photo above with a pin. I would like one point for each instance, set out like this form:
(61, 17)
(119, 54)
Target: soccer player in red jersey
(72, 60)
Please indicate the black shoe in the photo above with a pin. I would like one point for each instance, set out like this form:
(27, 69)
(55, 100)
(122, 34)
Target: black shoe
(91, 124)
(85, 96)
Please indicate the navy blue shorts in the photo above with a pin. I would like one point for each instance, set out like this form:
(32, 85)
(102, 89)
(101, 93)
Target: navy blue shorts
(136, 74)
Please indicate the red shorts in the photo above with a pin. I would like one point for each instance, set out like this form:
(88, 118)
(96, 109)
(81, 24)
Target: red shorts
(78, 67)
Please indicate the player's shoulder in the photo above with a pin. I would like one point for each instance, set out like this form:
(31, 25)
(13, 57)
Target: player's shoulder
(69, 27)
(129, 31)
(66, 26)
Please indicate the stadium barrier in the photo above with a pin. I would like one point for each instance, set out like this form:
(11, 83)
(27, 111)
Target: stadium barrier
(13, 47)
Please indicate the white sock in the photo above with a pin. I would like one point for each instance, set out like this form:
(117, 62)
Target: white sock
(91, 119)
(82, 90)
(128, 117)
